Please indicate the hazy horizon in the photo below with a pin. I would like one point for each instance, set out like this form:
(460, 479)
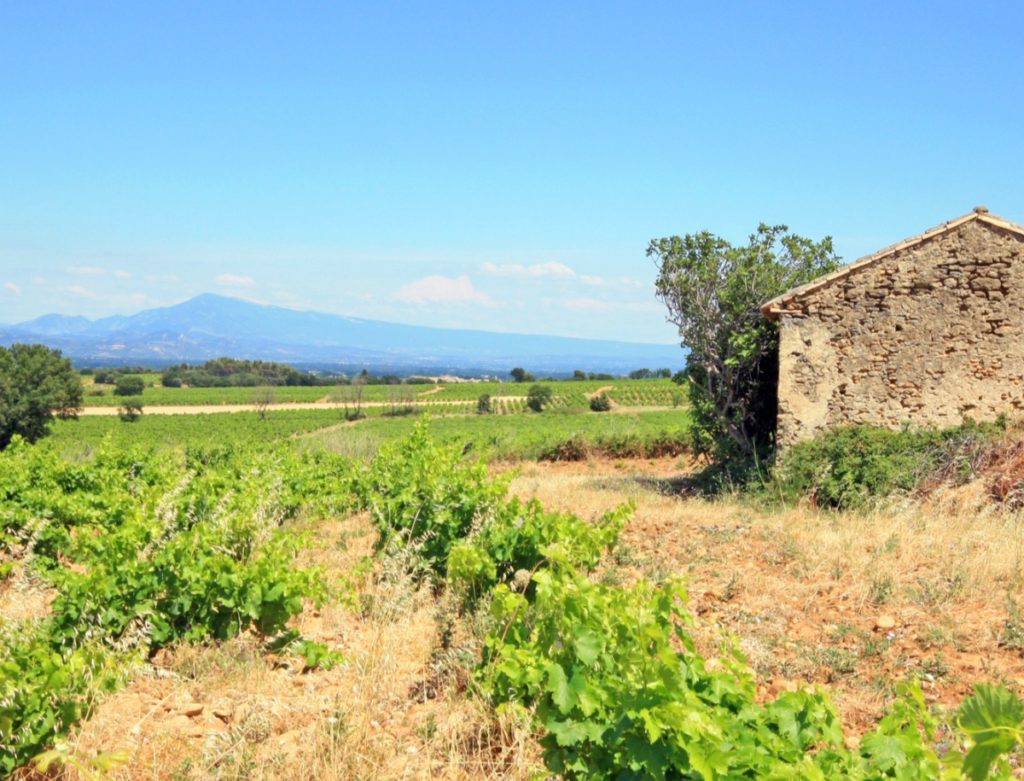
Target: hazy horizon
(131, 312)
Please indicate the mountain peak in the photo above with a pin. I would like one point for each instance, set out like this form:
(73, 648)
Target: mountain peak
(211, 325)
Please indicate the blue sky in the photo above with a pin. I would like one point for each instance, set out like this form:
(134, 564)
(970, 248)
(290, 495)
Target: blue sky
(480, 164)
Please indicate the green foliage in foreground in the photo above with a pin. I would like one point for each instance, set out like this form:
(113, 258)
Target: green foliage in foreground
(420, 493)
(848, 467)
(145, 549)
(611, 676)
(423, 495)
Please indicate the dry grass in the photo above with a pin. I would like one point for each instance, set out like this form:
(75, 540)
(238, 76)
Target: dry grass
(811, 594)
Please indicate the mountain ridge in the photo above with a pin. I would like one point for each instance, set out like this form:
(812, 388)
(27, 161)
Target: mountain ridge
(210, 326)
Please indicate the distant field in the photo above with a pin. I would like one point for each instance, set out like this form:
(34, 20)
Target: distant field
(568, 393)
(525, 436)
(162, 431)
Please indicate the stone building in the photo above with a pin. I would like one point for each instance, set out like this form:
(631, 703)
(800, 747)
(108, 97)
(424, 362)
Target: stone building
(928, 331)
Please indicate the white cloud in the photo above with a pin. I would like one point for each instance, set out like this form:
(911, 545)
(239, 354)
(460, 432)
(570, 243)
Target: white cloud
(86, 271)
(550, 269)
(37, 280)
(13, 288)
(122, 274)
(235, 280)
(440, 288)
(78, 290)
(558, 270)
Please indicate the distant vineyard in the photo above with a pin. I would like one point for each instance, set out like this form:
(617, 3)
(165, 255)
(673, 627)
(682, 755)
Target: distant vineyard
(565, 394)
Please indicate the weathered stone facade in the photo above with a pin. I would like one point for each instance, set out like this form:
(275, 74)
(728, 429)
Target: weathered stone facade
(927, 332)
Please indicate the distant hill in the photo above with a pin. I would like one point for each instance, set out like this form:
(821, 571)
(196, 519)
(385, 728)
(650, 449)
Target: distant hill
(211, 326)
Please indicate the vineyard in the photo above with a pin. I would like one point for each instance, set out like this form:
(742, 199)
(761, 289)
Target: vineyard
(509, 437)
(510, 397)
(130, 553)
(139, 550)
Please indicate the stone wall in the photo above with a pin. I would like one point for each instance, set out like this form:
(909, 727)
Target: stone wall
(928, 335)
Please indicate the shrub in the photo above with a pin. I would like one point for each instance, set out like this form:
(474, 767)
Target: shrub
(129, 385)
(847, 467)
(538, 397)
(483, 404)
(600, 403)
(130, 410)
(424, 495)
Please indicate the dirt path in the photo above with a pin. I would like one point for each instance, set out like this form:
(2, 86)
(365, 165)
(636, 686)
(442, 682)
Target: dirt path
(432, 391)
(599, 391)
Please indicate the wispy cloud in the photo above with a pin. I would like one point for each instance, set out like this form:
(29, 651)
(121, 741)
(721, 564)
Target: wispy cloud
(550, 269)
(13, 288)
(78, 290)
(440, 288)
(234, 280)
(121, 273)
(557, 270)
(86, 271)
(38, 280)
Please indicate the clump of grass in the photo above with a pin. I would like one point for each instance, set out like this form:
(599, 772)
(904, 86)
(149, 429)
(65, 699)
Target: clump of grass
(880, 590)
(1012, 634)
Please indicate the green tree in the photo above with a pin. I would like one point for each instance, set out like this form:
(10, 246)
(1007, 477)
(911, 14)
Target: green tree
(483, 404)
(36, 383)
(520, 374)
(129, 385)
(579, 374)
(130, 410)
(538, 397)
(713, 291)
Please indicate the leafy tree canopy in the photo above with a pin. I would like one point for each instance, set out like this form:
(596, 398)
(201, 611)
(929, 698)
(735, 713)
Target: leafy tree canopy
(36, 383)
(129, 385)
(713, 291)
(538, 397)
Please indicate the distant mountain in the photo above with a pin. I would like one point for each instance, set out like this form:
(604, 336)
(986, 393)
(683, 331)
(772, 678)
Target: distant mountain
(211, 326)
